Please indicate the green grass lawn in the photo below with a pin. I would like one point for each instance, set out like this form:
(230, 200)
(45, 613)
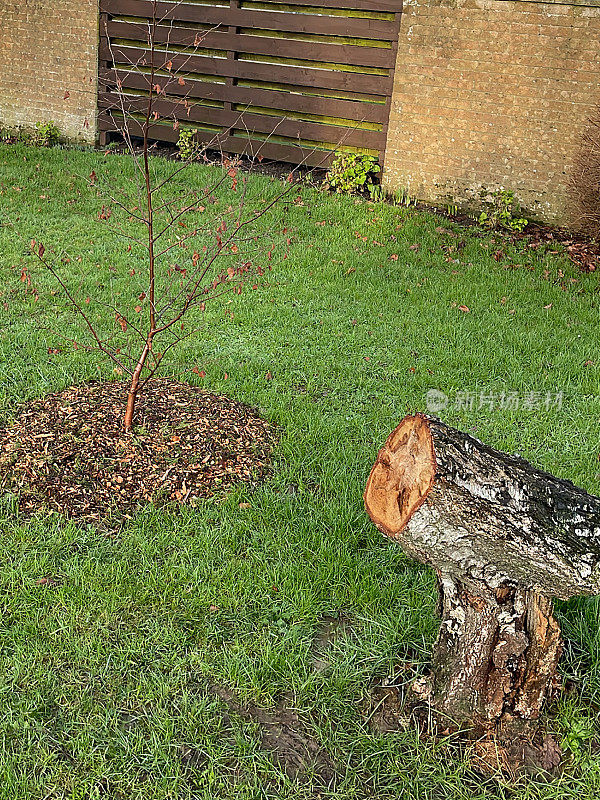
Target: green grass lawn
(105, 674)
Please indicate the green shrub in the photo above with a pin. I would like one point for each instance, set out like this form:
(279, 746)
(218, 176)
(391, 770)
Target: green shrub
(502, 211)
(187, 144)
(354, 172)
(46, 134)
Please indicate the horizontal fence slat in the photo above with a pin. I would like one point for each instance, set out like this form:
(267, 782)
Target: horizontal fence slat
(363, 28)
(252, 70)
(282, 106)
(355, 55)
(387, 6)
(252, 123)
(294, 154)
(359, 111)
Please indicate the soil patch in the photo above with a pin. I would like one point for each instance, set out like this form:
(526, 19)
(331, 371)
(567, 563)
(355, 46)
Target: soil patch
(67, 452)
(284, 735)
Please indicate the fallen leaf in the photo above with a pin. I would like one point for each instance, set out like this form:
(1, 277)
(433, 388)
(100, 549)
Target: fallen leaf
(550, 753)
(464, 308)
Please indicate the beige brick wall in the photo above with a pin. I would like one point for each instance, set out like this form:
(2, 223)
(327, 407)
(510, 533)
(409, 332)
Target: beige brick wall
(48, 48)
(490, 94)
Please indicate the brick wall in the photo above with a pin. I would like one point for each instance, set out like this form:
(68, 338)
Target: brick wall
(48, 48)
(493, 93)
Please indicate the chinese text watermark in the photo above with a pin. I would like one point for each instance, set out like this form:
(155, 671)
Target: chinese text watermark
(437, 400)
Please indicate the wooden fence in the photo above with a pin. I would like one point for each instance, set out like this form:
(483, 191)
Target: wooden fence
(288, 81)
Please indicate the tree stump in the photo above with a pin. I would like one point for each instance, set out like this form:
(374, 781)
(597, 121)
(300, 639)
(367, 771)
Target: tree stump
(504, 538)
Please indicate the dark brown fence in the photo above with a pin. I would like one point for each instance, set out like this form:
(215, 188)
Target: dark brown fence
(290, 81)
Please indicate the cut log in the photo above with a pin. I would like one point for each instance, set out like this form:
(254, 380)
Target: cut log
(504, 538)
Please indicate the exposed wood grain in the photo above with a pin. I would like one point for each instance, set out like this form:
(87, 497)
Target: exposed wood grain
(504, 538)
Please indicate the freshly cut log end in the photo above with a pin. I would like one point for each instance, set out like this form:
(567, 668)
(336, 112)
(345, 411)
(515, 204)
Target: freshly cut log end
(482, 515)
(504, 538)
(402, 475)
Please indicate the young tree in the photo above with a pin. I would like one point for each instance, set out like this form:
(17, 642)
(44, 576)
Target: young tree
(215, 254)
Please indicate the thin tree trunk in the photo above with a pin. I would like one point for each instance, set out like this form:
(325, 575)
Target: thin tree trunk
(135, 385)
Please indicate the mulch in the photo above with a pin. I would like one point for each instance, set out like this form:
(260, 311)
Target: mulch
(68, 453)
(581, 250)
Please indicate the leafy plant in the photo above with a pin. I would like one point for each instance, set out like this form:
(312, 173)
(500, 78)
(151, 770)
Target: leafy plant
(404, 198)
(188, 146)
(354, 172)
(46, 134)
(577, 735)
(376, 192)
(503, 211)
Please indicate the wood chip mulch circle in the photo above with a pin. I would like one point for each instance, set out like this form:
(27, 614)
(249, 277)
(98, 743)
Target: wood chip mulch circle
(67, 452)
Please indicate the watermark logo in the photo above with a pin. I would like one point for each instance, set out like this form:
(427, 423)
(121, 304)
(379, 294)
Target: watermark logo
(436, 401)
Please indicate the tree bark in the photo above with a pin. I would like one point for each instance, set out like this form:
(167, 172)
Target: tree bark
(479, 514)
(495, 657)
(503, 537)
(134, 386)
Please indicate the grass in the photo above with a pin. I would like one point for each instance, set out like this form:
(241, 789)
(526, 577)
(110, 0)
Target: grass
(103, 672)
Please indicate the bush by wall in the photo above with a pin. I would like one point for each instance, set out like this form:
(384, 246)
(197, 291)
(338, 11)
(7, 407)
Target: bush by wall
(585, 180)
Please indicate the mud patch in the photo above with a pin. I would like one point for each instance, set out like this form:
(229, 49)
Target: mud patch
(330, 629)
(389, 703)
(284, 736)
